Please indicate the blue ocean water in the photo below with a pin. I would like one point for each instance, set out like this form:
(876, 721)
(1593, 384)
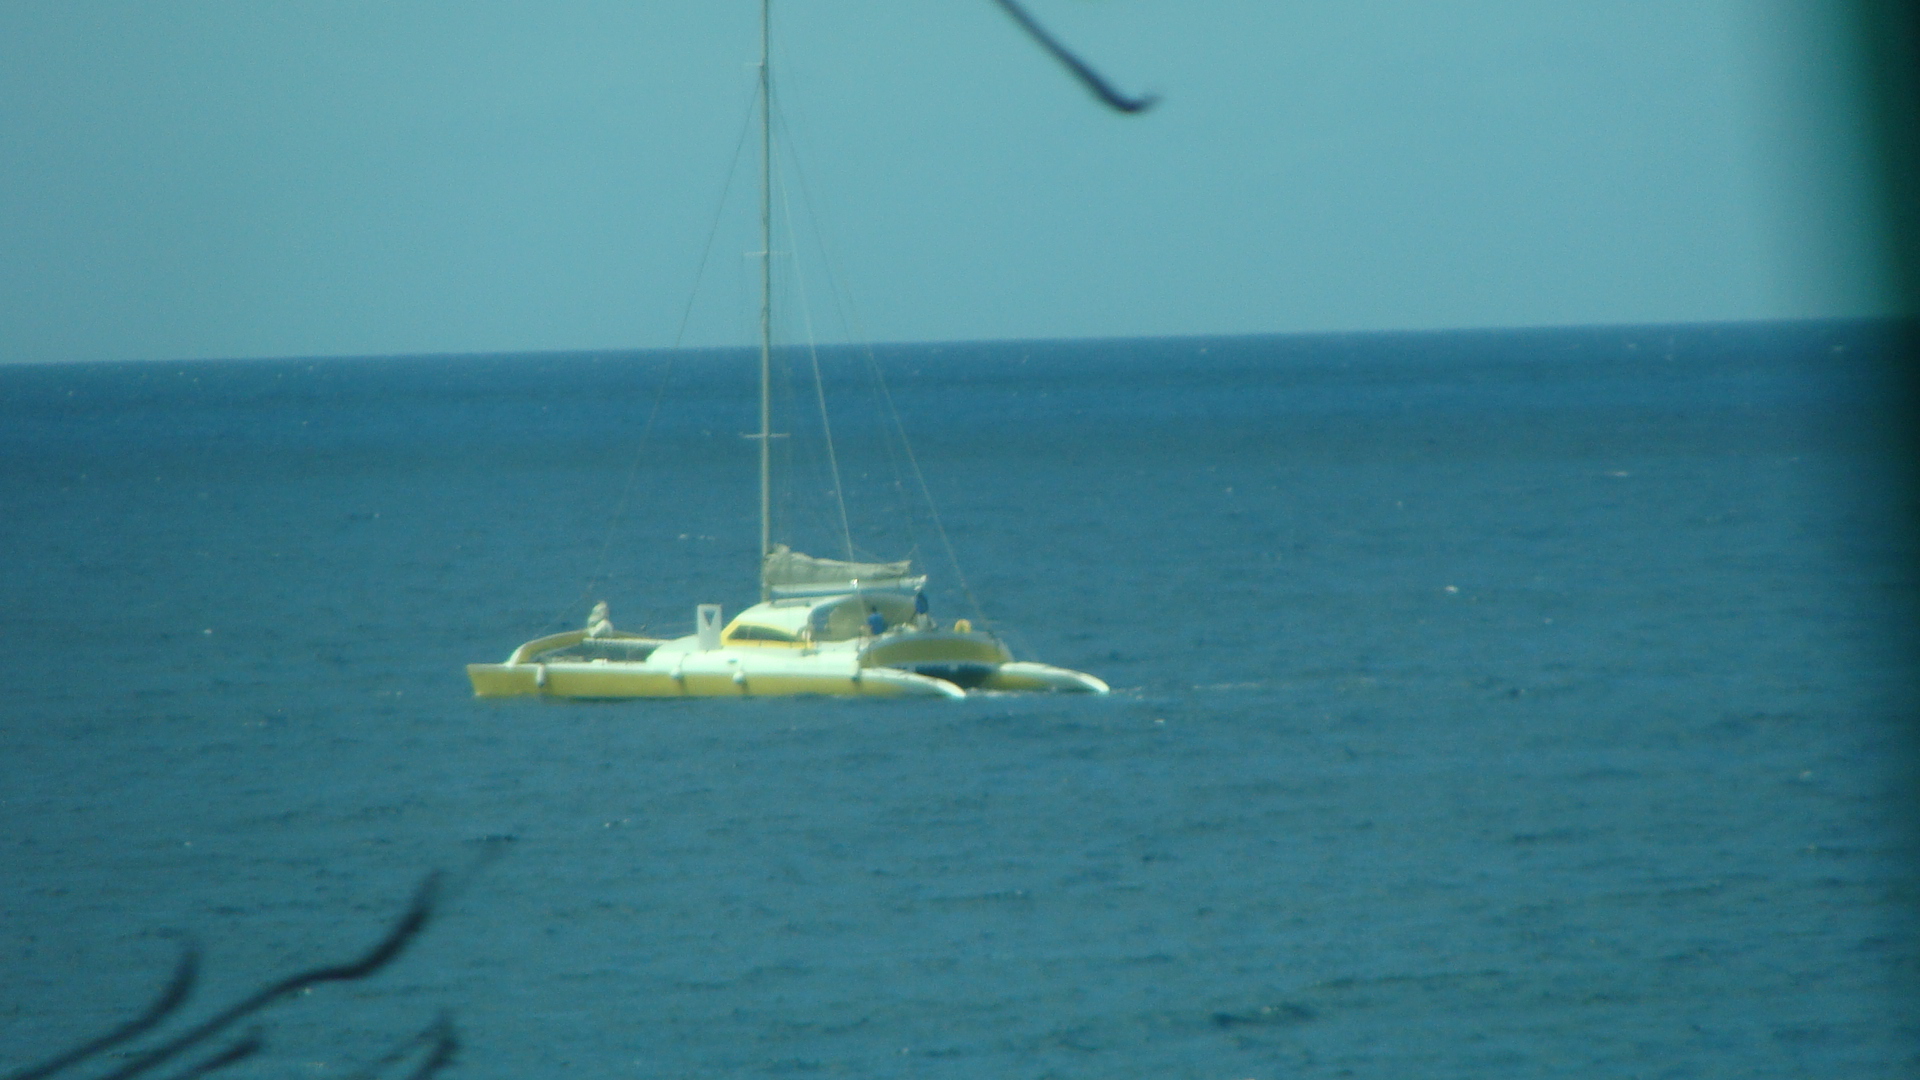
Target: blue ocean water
(1523, 703)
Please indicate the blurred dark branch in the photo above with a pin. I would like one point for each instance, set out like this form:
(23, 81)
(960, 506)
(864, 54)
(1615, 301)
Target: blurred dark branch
(441, 1034)
(185, 974)
(232, 1055)
(382, 954)
(414, 920)
(1101, 88)
(446, 1044)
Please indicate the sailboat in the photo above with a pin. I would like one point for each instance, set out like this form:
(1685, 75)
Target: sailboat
(822, 626)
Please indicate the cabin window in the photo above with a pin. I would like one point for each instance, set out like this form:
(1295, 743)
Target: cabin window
(749, 632)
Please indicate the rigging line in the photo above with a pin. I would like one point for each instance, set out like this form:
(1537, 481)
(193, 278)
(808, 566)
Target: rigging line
(1088, 77)
(926, 493)
(849, 318)
(813, 355)
(889, 434)
(599, 574)
(791, 456)
(719, 211)
(899, 430)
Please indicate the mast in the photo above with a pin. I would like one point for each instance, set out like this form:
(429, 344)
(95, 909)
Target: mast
(766, 297)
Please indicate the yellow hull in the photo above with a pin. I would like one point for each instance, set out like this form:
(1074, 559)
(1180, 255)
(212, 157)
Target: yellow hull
(749, 659)
(615, 681)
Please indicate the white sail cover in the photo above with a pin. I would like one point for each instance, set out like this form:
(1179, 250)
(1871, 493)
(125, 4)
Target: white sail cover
(790, 573)
(786, 566)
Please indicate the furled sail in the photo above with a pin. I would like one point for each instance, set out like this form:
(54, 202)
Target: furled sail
(786, 566)
(791, 573)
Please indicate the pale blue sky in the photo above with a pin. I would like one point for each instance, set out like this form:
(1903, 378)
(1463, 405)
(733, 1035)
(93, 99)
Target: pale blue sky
(236, 178)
